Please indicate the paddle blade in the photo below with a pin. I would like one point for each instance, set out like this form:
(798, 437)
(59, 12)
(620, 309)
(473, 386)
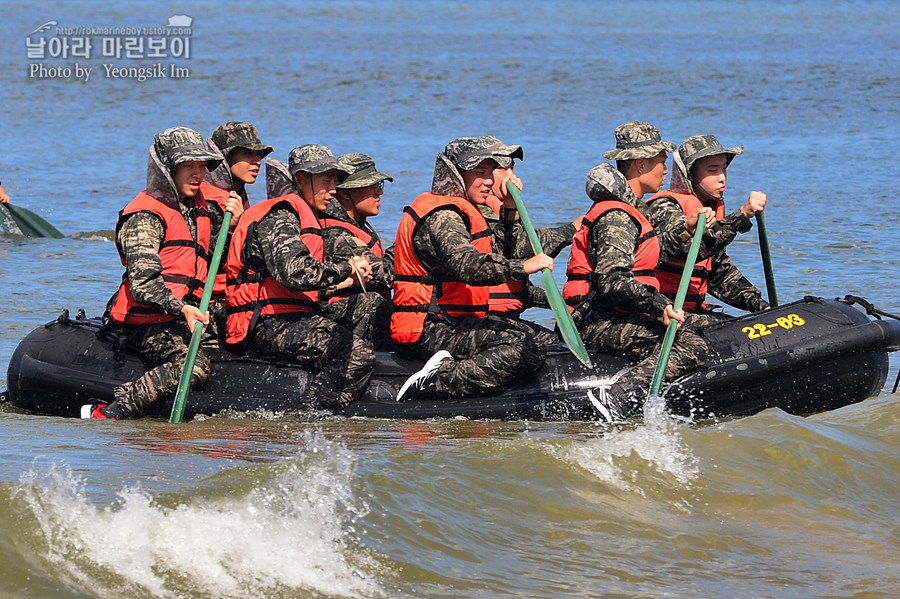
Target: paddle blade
(567, 327)
(21, 221)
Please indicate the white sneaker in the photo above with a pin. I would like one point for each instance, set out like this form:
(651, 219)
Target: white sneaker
(424, 379)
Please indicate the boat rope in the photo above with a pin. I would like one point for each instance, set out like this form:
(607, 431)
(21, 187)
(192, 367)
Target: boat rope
(870, 309)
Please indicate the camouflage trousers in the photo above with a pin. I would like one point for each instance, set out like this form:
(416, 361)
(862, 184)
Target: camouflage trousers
(372, 317)
(639, 337)
(488, 353)
(165, 346)
(340, 353)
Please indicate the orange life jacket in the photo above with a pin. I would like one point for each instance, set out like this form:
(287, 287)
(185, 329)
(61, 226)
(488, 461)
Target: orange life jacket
(418, 292)
(507, 296)
(580, 270)
(211, 193)
(368, 236)
(184, 259)
(669, 274)
(249, 293)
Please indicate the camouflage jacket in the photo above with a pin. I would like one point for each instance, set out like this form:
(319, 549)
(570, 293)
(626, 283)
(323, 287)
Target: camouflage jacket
(141, 237)
(341, 245)
(443, 244)
(514, 243)
(277, 247)
(725, 282)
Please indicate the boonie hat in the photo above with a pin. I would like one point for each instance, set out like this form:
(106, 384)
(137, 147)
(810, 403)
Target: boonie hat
(180, 144)
(637, 139)
(700, 146)
(234, 134)
(468, 152)
(605, 182)
(362, 172)
(313, 158)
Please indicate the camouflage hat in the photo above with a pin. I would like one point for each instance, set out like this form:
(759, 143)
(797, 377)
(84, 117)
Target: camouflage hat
(468, 152)
(700, 146)
(605, 182)
(234, 134)
(313, 158)
(362, 172)
(180, 144)
(638, 139)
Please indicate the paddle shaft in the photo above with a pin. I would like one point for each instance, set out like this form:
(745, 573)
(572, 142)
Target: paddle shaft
(766, 260)
(669, 338)
(567, 327)
(184, 383)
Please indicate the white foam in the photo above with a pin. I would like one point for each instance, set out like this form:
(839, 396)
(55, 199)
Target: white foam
(290, 530)
(657, 440)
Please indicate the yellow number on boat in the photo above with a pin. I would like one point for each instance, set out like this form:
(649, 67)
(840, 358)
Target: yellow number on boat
(785, 322)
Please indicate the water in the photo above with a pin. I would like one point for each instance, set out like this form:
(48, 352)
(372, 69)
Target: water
(772, 505)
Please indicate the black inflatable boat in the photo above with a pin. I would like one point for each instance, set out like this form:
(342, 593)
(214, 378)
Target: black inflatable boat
(804, 357)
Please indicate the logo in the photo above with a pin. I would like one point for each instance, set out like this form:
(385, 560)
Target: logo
(152, 45)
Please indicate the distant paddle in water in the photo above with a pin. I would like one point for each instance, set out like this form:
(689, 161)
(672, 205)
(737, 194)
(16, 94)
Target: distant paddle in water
(20, 221)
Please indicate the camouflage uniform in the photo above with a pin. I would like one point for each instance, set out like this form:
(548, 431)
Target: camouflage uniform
(163, 345)
(225, 138)
(512, 242)
(725, 281)
(341, 245)
(488, 353)
(637, 331)
(339, 349)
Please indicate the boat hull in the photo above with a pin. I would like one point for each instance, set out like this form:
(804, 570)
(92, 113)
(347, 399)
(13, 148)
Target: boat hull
(805, 357)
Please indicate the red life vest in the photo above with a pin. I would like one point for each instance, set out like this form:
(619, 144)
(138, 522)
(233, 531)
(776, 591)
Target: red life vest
(211, 193)
(367, 236)
(416, 291)
(184, 259)
(249, 293)
(580, 270)
(669, 274)
(507, 296)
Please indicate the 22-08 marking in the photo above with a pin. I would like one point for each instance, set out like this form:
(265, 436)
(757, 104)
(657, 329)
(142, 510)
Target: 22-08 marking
(786, 322)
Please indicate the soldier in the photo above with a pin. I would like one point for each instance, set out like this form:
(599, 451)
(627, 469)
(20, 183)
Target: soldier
(615, 295)
(640, 155)
(349, 233)
(239, 143)
(443, 267)
(700, 175)
(276, 273)
(513, 296)
(164, 238)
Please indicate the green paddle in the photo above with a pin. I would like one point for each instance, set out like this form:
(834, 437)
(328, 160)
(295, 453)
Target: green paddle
(184, 383)
(20, 221)
(660, 371)
(557, 304)
(767, 260)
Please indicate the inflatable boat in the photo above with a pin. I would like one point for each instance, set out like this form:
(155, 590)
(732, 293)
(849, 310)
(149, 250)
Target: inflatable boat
(808, 356)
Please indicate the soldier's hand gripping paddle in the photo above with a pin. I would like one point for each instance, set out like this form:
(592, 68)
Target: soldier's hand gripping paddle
(184, 383)
(563, 317)
(669, 339)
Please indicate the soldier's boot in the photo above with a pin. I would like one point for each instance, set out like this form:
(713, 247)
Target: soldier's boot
(423, 384)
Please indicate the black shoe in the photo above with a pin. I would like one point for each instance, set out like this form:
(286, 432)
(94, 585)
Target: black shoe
(425, 380)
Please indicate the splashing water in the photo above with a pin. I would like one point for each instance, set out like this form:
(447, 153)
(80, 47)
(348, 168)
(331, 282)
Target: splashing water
(657, 441)
(287, 529)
